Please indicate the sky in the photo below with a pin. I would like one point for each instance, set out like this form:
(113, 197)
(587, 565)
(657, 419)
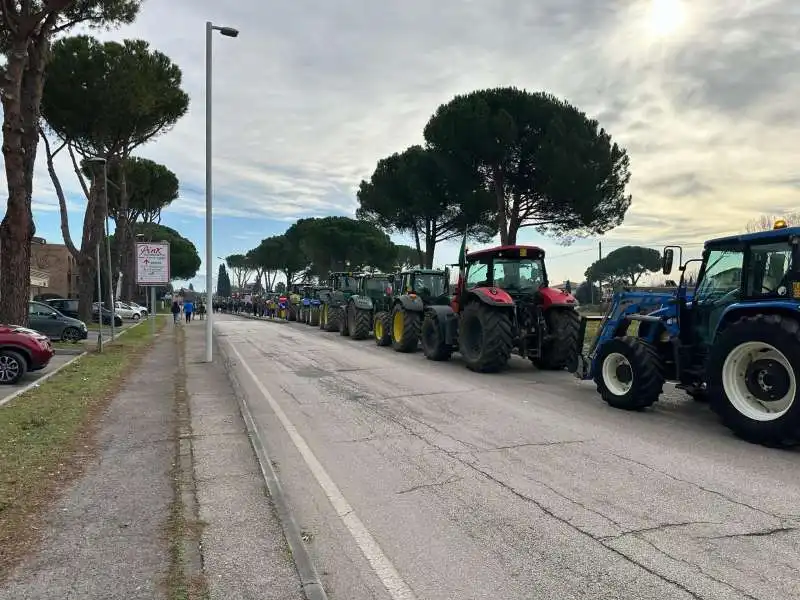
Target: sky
(703, 95)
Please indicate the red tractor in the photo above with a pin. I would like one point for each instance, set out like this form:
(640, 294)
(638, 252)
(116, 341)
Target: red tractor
(503, 303)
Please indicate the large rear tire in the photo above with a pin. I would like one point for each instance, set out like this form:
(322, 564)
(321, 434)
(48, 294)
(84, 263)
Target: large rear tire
(405, 329)
(433, 344)
(333, 320)
(630, 375)
(485, 339)
(344, 320)
(381, 326)
(753, 379)
(564, 325)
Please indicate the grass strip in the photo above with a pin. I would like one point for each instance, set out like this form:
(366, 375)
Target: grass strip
(47, 436)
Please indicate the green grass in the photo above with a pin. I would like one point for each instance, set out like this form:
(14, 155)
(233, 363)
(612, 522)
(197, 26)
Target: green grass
(46, 434)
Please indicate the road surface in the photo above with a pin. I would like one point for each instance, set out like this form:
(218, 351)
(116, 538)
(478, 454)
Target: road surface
(414, 479)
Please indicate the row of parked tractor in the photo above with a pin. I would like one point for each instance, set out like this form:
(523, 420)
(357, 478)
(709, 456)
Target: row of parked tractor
(734, 342)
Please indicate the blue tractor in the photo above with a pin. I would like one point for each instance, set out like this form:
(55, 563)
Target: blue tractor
(734, 341)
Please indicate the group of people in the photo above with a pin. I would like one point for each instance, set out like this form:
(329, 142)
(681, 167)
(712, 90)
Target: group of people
(188, 309)
(257, 307)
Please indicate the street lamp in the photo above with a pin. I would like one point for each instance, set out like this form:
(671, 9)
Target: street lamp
(228, 32)
(107, 234)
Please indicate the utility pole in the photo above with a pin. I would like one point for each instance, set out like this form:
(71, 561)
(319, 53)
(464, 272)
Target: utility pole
(600, 257)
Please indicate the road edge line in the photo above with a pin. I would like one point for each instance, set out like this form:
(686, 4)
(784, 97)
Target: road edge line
(309, 578)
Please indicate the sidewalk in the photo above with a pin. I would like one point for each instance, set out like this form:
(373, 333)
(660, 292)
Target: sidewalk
(245, 554)
(105, 536)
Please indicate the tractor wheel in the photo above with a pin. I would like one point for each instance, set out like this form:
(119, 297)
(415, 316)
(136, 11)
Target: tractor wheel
(752, 379)
(324, 315)
(381, 327)
(291, 314)
(344, 320)
(559, 351)
(361, 323)
(433, 344)
(485, 340)
(630, 375)
(405, 329)
(333, 320)
(313, 317)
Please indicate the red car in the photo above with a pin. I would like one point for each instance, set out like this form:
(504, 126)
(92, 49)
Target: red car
(22, 350)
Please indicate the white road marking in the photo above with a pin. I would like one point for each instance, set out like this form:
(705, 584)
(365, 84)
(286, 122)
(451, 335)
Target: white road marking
(398, 589)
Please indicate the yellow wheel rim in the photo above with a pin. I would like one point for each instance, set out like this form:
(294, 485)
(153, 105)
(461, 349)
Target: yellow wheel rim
(378, 330)
(397, 326)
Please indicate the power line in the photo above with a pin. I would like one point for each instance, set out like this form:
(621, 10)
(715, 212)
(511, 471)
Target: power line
(656, 246)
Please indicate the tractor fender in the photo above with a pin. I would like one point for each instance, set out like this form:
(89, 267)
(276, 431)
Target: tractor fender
(555, 297)
(362, 302)
(489, 295)
(447, 319)
(785, 308)
(411, 303)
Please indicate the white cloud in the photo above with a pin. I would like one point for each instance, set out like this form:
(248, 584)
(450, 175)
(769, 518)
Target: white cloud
(313, 93)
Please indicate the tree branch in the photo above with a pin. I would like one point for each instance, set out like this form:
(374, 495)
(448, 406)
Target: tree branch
(78, 171)
(62, 201)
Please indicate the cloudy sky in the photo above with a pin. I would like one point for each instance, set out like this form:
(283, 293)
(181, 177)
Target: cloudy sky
(704, 95)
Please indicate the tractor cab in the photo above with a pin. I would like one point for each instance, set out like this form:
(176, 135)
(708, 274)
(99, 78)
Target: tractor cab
(739, 275)
(344, 281)
(432, 286)
(375, 285)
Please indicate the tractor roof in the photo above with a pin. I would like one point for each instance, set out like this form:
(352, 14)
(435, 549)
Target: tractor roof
(423, 271)
(771, 235)
(507, 252)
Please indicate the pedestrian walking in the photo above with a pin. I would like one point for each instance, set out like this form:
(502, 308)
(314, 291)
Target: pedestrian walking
(176, 311)
(201, 311)
(188, 309)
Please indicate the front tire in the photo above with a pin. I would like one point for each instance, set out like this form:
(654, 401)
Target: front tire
(753, 379)
(561, 349)
(630, 375)
(381, 328)
(71, 334)
(485, 339)
(405, 329)
(13, 367)
(136, 316)
(433, 344)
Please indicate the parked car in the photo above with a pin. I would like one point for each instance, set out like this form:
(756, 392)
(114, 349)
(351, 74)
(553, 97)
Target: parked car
(54, 324)
(142, 309)
(69, 307)
(22, 350)
(126, 311)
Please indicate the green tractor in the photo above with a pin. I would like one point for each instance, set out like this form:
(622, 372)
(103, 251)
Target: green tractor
(372, 295)
(306, 294)
(413, 292)
(293, 303)
(343, 284)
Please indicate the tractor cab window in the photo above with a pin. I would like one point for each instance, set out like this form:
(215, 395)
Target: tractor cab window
(722, 277)
(720, 286)
(429, 284)
(518, 275)
(344, 282)
(769, 270)
(374, 284)
(477, 275)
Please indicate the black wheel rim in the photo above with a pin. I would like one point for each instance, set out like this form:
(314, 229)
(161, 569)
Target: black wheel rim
(9, 368)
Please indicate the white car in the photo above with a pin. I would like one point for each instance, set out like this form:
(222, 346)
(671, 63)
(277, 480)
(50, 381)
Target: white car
(127, 312)
(142, 309)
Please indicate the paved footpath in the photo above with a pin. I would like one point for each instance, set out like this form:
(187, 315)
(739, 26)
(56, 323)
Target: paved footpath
(105, 536)
(245, 554)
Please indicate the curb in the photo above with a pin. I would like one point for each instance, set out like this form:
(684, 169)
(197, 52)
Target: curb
(33, 384)
(309, 579)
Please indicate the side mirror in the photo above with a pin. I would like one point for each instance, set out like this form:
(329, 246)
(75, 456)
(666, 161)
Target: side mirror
(667, 260)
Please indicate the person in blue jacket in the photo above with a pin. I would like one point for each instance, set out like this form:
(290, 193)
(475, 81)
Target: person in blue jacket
(188, 309)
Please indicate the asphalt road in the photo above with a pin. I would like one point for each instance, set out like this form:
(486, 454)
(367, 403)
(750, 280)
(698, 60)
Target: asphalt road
(413, 479)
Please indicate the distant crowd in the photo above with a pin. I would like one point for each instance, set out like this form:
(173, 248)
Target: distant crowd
(188, 309)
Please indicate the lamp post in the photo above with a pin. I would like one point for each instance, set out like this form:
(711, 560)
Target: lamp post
(228, 32)
(107, 234)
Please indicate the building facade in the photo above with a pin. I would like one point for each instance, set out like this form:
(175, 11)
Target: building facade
(57, 261)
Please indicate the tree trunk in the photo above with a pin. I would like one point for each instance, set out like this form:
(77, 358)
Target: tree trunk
(420, 253)
(16, 229)
(87, 287)
(499, 194)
